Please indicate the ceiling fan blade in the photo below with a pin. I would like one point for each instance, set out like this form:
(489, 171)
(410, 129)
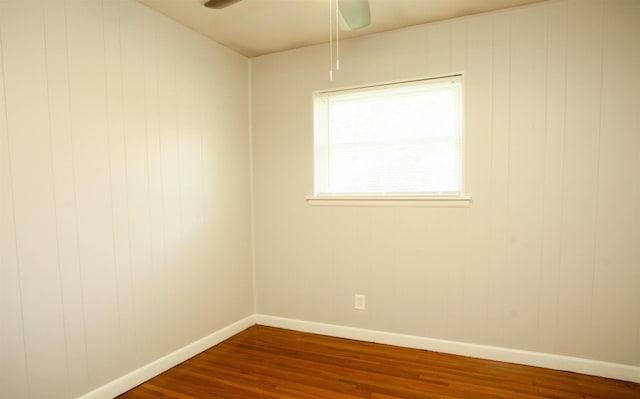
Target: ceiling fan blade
(218, 4)
(355, 14)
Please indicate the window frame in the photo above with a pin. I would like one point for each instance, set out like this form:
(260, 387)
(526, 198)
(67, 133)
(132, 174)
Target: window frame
(461, 199)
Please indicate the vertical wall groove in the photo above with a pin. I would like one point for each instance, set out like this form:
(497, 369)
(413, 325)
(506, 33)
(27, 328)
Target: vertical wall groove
(75, 193)
(19, 289)
(562, 171)
(598, 159)
(53, 194)
(544, 162)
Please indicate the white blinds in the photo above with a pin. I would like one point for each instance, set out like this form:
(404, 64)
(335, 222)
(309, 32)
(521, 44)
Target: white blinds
(400, 139)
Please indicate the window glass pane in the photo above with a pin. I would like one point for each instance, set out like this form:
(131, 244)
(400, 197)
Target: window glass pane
(398, 139)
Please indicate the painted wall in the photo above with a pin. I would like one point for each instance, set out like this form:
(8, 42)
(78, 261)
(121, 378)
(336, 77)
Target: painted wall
(125, 207)
(546, 259)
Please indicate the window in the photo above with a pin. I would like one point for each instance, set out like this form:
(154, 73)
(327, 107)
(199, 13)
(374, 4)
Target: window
(391, 140)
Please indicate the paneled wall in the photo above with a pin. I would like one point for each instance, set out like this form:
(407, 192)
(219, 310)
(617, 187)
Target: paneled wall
(547, 257)
(125, 207)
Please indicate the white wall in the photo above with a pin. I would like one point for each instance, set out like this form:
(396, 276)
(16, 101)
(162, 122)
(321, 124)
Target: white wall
(125, 214)
(546, 259)
(125, 211)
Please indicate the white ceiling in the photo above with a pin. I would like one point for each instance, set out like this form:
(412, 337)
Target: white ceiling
(257, 27)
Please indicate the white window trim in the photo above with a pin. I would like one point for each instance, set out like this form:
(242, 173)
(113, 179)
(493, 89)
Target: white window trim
(409, 201)
(463, 200)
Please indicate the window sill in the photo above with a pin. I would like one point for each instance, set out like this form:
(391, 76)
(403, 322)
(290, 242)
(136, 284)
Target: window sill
(399, 201)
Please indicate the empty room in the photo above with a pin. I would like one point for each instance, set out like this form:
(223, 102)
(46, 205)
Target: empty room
(319, 199)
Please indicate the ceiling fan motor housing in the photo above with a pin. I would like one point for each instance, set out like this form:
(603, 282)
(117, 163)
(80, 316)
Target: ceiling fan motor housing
(218, 4)
(355, 14)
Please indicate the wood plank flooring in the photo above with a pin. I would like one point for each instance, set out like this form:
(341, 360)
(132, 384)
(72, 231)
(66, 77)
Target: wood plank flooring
(266, 362)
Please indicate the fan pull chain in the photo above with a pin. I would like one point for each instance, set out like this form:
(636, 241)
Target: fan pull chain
(337, 36)
(333, 20)
(330, 40)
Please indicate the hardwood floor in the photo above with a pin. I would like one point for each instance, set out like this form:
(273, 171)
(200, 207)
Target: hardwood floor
(266, 362)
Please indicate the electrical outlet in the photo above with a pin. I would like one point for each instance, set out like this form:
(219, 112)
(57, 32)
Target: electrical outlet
(360, 302)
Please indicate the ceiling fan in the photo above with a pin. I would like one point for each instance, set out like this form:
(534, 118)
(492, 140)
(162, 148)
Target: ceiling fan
(354, 14)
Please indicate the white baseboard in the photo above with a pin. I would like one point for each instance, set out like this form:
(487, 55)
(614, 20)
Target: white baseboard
(558, 362)
(144, 373)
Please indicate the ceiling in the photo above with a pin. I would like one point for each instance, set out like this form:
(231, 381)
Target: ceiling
(258, 27)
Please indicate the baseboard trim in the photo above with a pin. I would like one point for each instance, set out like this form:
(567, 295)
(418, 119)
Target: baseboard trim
(558, 362)
(148, 371)
(546, 360)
